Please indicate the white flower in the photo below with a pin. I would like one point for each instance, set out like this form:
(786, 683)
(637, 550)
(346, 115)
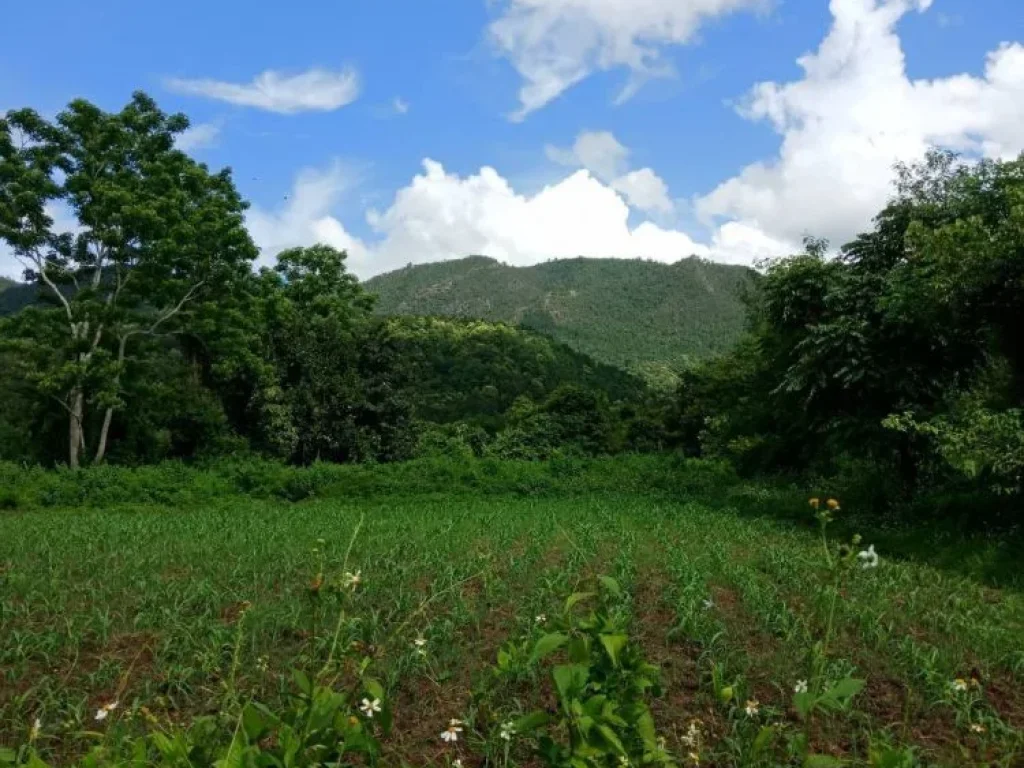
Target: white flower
(868, 558)
(352, 580)
(541, 618)
(624, 761)
(959, 685)
(977, 727)
(36, 729)
(106, 709)
(420, 641)
(507, 731)
(800, 687)
(693, 734)
(457, 762)
(369, 707)
(708, 604)
(451, 733)
(752, 707)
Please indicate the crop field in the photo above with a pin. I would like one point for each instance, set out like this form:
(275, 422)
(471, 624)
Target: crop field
(492, 631)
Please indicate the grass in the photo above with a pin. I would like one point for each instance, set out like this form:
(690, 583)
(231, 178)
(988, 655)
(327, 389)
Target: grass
(188, 611)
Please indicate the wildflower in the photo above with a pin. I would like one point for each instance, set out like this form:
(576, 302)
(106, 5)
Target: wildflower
(318, 581)
(693, 734)
(976, 727)
(457, 762)
(694, 758)
(832, 504)
(36, 729)
(868, 558)
(368, 707)
(800, 687)
(352, 580)
(815, 502)
(752, 707)
(263, 664)
(708, 604)
(451, 733)
(541, 618)
(624, 761)
(106, 709)
(507, 731)
(959, 685)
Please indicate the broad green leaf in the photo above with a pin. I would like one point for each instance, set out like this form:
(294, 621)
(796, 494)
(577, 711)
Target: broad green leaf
(302, 682)
(532, 721)
(547, 645)
(645, 727)
(804, 703)
(614, 644)
(375, 689)
(846, 689)
(253, 723)
(611, 738)
(764, 739)
(570, 680)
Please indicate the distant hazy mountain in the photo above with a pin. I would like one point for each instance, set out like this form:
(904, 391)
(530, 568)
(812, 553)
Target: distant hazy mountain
(646, 316)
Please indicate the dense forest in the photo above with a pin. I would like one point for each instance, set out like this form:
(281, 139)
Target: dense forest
(645, 316)
(897, 359)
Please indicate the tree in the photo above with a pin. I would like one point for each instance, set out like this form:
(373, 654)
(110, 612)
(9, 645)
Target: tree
(157, 235)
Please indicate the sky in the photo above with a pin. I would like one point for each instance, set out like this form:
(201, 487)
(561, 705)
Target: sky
(407, 131)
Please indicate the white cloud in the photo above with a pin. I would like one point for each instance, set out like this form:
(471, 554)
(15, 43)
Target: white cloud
(314, 90)
(304, 218)
(597, 151)
(554, 44)
(852, 116)
(604, 156)
(199, 136)
(645, 190)
(400, 106)
(442, 216)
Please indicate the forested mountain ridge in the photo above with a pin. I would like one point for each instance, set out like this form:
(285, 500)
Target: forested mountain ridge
(641, 315)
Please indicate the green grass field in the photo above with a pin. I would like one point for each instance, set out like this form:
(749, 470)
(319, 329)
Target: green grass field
(186, 612)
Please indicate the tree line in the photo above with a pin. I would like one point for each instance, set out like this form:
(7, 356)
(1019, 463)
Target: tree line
(899, 357)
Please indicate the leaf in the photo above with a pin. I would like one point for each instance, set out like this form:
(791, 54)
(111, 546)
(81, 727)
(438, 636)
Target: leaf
(611, 585)
(846, 689)
(8, 756)
(302, 682)
(547, 645)
(575, 598)
(609, 736)
(645, 727)
(804, 703)
(614, 644)
(764, 739)
(570, 680)
(579, 650)
(532, 721)
(253, 723)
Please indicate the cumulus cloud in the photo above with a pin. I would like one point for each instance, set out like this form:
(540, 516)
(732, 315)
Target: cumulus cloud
(314, 90)
(304, 217)
(554, 44)
(199, 136)
(441, 215)
(601, 153)
(852, 115)
(400, 106)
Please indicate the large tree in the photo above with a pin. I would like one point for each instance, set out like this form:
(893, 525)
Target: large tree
(155, 236)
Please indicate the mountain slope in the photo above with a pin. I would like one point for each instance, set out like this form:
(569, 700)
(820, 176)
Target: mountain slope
(642, 315)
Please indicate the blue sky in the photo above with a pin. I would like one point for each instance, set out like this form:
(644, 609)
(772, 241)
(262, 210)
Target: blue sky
(410, 131)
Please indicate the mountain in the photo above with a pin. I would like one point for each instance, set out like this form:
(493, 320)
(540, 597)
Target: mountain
(645, 316)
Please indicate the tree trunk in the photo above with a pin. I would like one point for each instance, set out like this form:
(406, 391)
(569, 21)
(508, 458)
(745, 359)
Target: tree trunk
(108, 416)
(75, 436)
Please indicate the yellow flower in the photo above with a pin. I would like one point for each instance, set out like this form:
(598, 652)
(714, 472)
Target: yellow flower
(815, 502)
(832, 504)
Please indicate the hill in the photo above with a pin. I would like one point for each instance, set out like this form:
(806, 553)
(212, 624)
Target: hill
(474, 370)
(641, 315)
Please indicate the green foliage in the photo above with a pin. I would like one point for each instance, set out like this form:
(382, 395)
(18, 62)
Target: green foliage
(643, 316)
(901, 353)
